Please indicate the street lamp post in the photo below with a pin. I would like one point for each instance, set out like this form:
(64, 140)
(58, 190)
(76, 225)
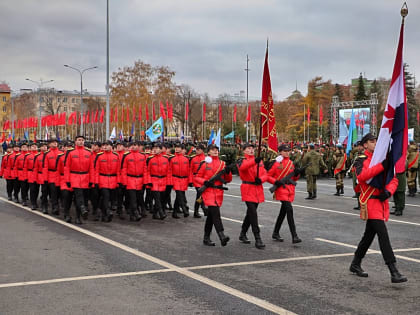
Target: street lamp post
(81, 92)
(40, 83)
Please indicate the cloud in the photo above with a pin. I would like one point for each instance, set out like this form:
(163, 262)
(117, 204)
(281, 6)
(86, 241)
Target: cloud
(205, 42)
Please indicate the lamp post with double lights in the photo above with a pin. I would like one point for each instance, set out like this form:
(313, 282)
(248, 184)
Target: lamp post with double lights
(40, 83)
(81, 71)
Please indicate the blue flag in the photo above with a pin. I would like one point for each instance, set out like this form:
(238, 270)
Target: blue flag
(352, 136)
(26, 135)
(58, 136)
(217, 141)
(230, 135)
(211, 137)
(156, 130)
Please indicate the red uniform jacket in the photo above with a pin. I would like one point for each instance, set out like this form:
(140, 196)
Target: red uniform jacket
(49, 171)
(38, 167)
(134, 170)
(377, 209)
(279, 171)
(77, 167)
(247, 172)
(180, 170)
(4, 171)
(60, 169)
(212, 196)
(158, 172)
(19, 164)
(107, 170)
(29, 167)
(9, 167)
(194, 164)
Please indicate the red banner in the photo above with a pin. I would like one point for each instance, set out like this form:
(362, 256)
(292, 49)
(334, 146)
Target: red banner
(101, 118)
(187, 109)
(170, 111)
(220, 112)
(234, 113)
(162, 111)
(309, 116)
(139, 116)
(134, 115)
(268, 123)
(248, 116)
(204, 112)
(321, 116)
(127, 114)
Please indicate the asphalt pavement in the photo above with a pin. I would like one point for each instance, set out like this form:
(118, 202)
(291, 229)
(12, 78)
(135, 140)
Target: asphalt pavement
(161, 267)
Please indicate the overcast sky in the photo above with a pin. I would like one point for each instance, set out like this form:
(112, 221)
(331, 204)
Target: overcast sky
(206, 41)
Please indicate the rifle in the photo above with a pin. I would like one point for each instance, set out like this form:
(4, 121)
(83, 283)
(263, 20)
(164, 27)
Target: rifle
(288, 179)
(218, 176)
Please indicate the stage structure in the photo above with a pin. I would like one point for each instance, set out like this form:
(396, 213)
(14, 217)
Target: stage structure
(365, 115)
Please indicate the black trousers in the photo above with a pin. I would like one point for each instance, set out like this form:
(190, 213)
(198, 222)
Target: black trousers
(16, 188)
(106, 196)
(33, 193)
(196, 204)
(24, 189)
(251, 218)
(67, 198)
(213, 218)
(286, 209)
(94, 199)
(160, 201)
(135, 198)
(9, 187)
(44, 195)
(53, 190)
(374, 227)
(167, 197)
(180, 200)
(149, 199)
(80, 195)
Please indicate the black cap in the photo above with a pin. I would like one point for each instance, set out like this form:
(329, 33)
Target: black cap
(157, 145)
(284, 147)
(212, 146)
(200, 146)
(366, 138)
(79, 136)
(247, 145)
(52, 140)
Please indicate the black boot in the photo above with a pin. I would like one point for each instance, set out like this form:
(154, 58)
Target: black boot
(338, 192)
(342, 191)
(207, 241)
(162, 214)
(78, 220)
(356, 268)
(84, 212)
(67, 218)
(309, 195)
(196, 214)
(44, 209)
(396, 277)
(314, 194)
(16, 199)
(25, 203)
(223, 238)
(186, 211)
(55, 211)
(143, 213)
(296, 239)
(120, 214)
(175, 214)
(134, 216)
(398, 213)
(243, 238)
(258, 241)
(276, 236)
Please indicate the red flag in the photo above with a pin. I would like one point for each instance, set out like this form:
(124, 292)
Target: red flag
(187, 109)
(116, 115)
(153, 112)
(147, 112)
(418, 118)
(101, 118)
(111, 116)
(127, 114)
(268, 123)
(134, 115)
(321, 116)
(170, 112)
(248, 116)
(234, 113)
(204, 112)
(139, 116)
(96, 115)
(35, 136)
(162, 111)
(87, 117)
(309, 115)
(220, 112)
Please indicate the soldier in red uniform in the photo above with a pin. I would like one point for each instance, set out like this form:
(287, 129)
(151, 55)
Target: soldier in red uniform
(43, 148)
(194, 164)
(285, 192)
(148, 198)
(167, 194)
(78, 175)
(253, 175)
(213, 195)
(22, 174)
(159, 176)
(4, 158)
(134, 173)
(49, 173)
(7, 173)
(94, 190)
(375, 202)
(106, 176)
(120, 191)
(180, 170)
(66, 192)
(31, 174)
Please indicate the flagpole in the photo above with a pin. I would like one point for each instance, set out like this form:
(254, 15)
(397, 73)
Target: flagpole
(247, 103)
(304, 130)
(318, 124)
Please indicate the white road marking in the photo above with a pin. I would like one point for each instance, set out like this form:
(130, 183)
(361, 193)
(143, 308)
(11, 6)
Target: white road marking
(104, 276)
(217, 285)
(328, 210)
(373, 250)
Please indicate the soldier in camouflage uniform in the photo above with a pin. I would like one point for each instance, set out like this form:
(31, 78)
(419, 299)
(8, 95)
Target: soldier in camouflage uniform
(329, 153)
(339, 163)
(413, 164)
(315, 161)
(296, 157)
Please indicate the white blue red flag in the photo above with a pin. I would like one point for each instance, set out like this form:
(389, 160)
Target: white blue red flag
(393, 137)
